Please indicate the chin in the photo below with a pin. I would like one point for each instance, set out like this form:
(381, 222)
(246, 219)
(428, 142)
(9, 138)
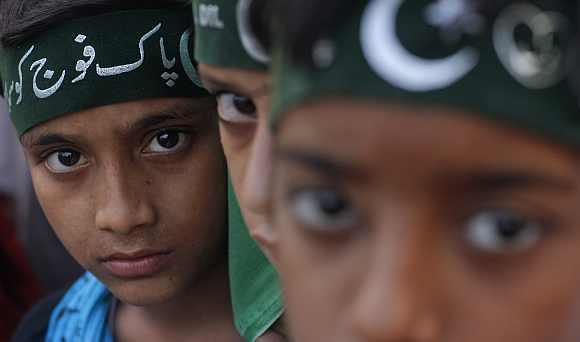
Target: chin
(145, 299)
(145, 292)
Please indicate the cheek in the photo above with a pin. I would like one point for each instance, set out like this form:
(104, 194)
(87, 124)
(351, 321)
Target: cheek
(309, 310)
(244, 172)
(319, 284)
(69, 211)
(237, 155)
(194, 193)
(550, 296)
(536, 298)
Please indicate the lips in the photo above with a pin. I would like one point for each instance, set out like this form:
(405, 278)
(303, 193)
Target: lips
(139, 264)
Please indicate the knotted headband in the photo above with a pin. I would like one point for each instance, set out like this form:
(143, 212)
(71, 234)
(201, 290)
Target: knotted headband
(101, 60)
(513, 67)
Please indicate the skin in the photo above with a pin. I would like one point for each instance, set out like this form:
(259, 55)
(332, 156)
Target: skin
(246, 140)
(245, 136)
(124, 188)
(464, 230)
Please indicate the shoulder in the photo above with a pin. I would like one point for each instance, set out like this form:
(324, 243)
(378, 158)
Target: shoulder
(82, 312)
(34, 325)
(64, 307)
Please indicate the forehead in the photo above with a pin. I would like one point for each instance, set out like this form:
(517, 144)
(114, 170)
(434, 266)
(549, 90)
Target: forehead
(239, 78)
(120, 117)
(391, 135)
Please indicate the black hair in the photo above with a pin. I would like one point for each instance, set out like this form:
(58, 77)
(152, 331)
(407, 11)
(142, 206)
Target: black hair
(23, 19)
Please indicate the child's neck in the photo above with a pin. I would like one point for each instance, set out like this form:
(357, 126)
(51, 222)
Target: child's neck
(203, 314)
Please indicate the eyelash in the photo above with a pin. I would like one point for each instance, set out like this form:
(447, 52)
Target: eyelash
(43, 156)
(148, 137)
(189, 131)
(178, 129)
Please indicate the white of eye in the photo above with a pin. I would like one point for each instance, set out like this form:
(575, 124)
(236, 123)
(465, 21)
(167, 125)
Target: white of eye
(322, 210)
(166, 141)
(231, 110)
(65, 161)
(501, 231)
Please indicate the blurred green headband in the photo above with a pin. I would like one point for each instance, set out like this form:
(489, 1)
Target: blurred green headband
(511, 68)
(223, 35)
(101, 60)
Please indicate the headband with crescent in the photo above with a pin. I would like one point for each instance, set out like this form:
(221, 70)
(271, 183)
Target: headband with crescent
(224, 36)
(444, 53)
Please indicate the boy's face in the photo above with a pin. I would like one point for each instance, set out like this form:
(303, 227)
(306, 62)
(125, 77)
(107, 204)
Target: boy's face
(136, 192)
(422, 224)
(243, 104)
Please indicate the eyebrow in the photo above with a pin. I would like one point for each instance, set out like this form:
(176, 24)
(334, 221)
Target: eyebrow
(189, 113)
(483, 181)
(182, 112)
(47, 139)
(155, 120)
(505, 180)
(316, 162)
(214, 85)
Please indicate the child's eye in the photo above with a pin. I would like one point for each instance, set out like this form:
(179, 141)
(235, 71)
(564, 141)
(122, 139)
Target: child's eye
(503, 231)
(234, 108)
(167, 141)
(65, 161)
(322, 210)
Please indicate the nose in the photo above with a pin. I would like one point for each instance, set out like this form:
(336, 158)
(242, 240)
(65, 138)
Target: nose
(396, 300)
(122, 201)
(259, 167)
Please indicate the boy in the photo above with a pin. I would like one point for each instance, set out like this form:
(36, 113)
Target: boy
(426, 178)
(233, 66)
(126, 164)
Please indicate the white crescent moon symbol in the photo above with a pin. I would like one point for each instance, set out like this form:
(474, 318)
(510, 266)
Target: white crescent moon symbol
(185, 59)
(253, 48)
(395, 64)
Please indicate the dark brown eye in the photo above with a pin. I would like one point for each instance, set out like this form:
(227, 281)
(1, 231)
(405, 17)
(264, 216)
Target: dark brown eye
(503, 231)
(234, 108)
(64, 161)
(244, 105)
(323, 210)
(69, 158)
(168, 139)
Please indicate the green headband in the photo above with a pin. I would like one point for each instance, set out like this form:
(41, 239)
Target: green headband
(223, 36)
(96, 61)
(395, 51)
(255, 289)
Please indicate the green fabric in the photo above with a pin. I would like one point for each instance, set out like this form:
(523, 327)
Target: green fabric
(100, 60)
(256, 295)
(223, 36)
(492, 88)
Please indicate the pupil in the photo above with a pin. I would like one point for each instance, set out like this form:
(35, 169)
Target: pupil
(168, 139)
(69, 158)
(331, 204)
(244, 105)
(509, 228)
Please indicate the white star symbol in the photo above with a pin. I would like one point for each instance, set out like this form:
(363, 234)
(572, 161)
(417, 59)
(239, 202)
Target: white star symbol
(454, 17)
